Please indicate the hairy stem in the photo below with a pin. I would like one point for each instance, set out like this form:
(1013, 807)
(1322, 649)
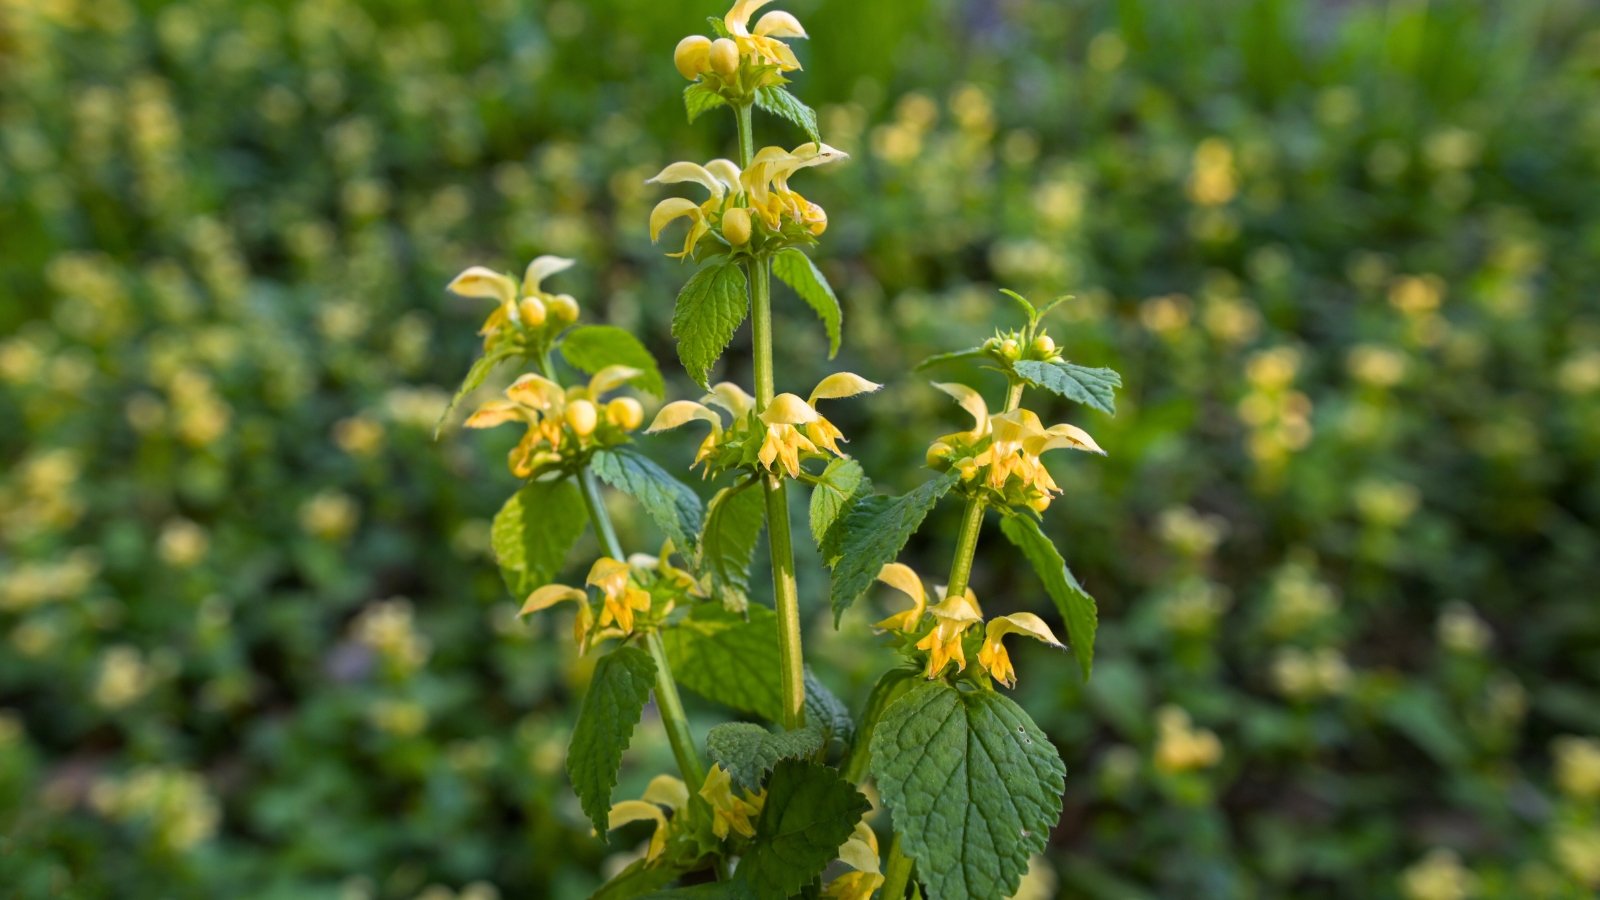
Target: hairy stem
(785, 590)
(667, 699)
(896, 872)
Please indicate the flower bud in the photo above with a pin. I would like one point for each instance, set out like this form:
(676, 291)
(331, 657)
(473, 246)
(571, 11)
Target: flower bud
(531, 311)
(581, 417)
(1040, 503)
(938, 455)
(693, 56)
(724, 55)
(1044, 346)
(736, 226)
(1009, 349)
(968, 469)
(625, 413)
(563, 309)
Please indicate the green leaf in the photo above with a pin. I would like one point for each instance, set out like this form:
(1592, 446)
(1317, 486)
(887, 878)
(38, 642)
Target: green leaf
(952, 357)
(1077, 608)
(734, 889)
(639, 878)
(889, 688)
(534, 531)
(711, 307)
(749, 751)
(798, 271)
(1094, 387)
(476, 376)
(973, 784)
(670, 503)
(617, 694)
(590, 348)
(700, 98)
(718, 26)
(827, 712)
(1026, 304)
(872, 535)
(734, 520)
(728, 659)
(810, 810)
(839, 486)
(778, 101)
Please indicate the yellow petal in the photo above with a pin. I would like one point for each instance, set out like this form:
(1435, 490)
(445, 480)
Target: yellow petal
(1015, 427)
(779, 24)
(727, 172)
(788, 409)
(610, 378)
(1021, 623)
(961, 610)
(549, 596)
(840, 385)
(816, 154)
(731, 397)
(680, 172)
(541, 268)
(680, 412)
(537, 392)
(610, 575)
(737, 20)
(860, 852)
(901, 577)
(667, 791)
(628, 811)
(481, 282)
(971, 401)
(495, 412)
(1057, 437)
(669, 210)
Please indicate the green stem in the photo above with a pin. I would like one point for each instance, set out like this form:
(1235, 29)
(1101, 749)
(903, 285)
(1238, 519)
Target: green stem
(1014, 396)
(896, 872)
(785, 589)
(966, 547)
(667, 699)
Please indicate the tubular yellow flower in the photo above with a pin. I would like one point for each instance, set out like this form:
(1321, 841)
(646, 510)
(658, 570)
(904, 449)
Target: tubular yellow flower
(860, 853)
(992, 655)
(550, 595)
(784, 443)
(681, 412)
(525, 304)
(622, 598)
(954, 616)
(766, 184)
(672, 209)
(900, 577)
(731, 814)
(663, 791)
(692, 57)
(724, 58)
(762, 45)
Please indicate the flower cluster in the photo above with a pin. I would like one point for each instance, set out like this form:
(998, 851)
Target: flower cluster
(954, 617)
(742, 59)
(777, 439)
(751, 209)
(1000, 454)
(564, 424)
(633, 596)
(525, 315)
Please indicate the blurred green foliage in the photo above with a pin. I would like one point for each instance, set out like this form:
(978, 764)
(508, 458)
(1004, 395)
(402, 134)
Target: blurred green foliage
(1346, 544)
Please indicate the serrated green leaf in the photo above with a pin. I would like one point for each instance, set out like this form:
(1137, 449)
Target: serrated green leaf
(727, 659)
(476, 376)
(699, 98)
(734, 519)
(872, 535)
(617, 695)
(798, 271)
(827, 712)
(670, 503)
(890, 686)
(590, 348)
(781, 103)
(839, 485)
(1093, 387)
(749, 751)
(810, 810)
(710, 308)
(951, 357)
(973, 784)
(534, 531)
(1077, 608)
(639, 878)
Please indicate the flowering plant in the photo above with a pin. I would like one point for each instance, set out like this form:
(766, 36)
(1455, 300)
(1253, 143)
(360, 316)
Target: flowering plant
(972, 783)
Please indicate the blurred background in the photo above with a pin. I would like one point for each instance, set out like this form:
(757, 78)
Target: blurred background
(1346, 544)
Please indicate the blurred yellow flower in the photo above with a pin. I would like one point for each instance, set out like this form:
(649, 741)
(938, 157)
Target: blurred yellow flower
(1438, 876)
(1180, 747)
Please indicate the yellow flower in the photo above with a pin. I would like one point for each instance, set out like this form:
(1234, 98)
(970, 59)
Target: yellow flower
(954, 616)
(860, 853)
(552, 594)
(766, 185)
(900, 577)
(734, 194)
(718, 177)
(522, 304)
(762, 44)
(726, 395)
(550, 411)
(1180, 747)
(992, 655)
(1016, 441)
(621, 597)
(663, 791)
(731, 813)
(787, 416)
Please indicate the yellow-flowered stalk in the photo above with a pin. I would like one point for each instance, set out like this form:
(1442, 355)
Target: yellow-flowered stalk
(785, 589)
